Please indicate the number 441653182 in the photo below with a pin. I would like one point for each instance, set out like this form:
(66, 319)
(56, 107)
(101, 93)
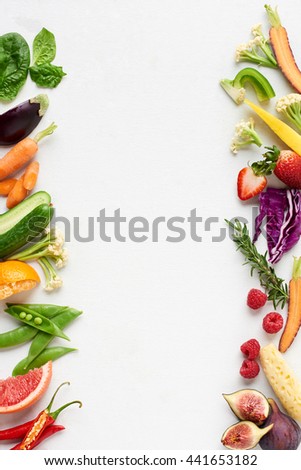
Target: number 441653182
(223, 459)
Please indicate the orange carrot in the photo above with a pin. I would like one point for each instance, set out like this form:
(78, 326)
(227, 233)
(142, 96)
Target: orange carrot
(31, 175)
(17, 194)
(22, 153)
(293, 321)
(6, 186)
(282, 50)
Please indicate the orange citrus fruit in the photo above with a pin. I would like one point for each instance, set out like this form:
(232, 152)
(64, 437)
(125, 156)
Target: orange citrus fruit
(20, 392)
(15, 277)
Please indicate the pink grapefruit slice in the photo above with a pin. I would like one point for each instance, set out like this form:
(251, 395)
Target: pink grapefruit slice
(22, 391)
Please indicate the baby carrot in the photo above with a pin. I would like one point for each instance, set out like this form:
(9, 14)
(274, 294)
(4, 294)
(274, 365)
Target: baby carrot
(22, 153)
(31, 175)
(6, 186)
(17, 194)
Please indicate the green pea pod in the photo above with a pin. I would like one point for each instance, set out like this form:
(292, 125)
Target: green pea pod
(42, 339)
(17, 336)
(49, 354)
(31, 318)
(47, 310)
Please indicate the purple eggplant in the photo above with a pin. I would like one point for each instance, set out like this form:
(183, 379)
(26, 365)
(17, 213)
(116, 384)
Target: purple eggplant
(18, 122)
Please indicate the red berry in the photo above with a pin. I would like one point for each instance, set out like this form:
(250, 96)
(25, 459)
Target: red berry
(256, 299)
(272, 322)
(249, 369)
(248, 184)
(250, 348)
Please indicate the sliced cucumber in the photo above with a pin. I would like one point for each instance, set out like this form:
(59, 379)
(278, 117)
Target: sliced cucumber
(12, 217)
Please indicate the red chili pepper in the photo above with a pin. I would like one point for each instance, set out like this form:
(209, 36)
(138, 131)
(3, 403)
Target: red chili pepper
(53, 429)
(39, 425)
(16, 432)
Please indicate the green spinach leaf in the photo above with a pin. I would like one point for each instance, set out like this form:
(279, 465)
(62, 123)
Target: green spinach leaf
(14, 63)
(44, 47)
(46, 75)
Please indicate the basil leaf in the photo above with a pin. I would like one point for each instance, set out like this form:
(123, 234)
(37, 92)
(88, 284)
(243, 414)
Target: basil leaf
(44, 47)
(14, 63)
(46, 75)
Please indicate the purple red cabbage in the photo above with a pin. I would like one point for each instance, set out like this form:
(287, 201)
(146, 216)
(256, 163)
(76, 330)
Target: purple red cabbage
(282, 210)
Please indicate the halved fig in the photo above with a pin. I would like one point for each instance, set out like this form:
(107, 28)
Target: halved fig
(243, 435)
(249, 405)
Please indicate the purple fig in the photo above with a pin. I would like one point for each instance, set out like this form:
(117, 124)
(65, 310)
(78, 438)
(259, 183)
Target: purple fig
(243, 435)
(286, 433)
(249, 405)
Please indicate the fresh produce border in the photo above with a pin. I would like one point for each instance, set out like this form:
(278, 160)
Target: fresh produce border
(261, 420)
(26, 235)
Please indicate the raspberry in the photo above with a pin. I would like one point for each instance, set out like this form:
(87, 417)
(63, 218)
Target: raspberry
(256, 299)
(272, 322)
(249, 369)
(250, 348)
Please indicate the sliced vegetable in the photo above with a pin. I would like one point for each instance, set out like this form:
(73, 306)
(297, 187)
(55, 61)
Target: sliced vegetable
(245, 135)
(22, 153)
(31, 318)
(282, 50)
(293, 321)
(275, 287)
(257, 50)
(290, 107)
(17, 194)
(18, 122)
(282, 209)
(50, 431)
(282, 130)
(6, 186)
(236, 87)
(31, 175)
(282, 379)
(14, 60)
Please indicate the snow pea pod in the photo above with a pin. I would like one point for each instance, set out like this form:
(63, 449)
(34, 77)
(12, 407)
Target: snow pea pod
(17, 336)
(25, 333)
(47, 310)
(31, 318)
(42, 339)
(49, 354)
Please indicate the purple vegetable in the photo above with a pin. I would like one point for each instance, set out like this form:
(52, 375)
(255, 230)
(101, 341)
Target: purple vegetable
(282, 210)
(18, 122)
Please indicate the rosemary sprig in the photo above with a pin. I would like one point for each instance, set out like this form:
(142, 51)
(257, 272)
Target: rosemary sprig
(276, 289)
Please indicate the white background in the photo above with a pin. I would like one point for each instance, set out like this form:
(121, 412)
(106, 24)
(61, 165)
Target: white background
(144, 126)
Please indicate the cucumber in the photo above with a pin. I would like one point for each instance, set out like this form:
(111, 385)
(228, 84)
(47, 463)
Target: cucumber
(10, 218)
(25, 230)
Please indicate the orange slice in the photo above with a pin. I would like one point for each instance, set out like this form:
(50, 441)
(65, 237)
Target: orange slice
(15, 277)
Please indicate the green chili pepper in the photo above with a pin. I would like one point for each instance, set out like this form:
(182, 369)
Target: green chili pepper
(47, 325)
(49, 354)
(42, 339)
(17, 336)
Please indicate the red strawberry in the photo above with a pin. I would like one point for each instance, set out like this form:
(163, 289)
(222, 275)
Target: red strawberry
(288, 168)
(248, 184)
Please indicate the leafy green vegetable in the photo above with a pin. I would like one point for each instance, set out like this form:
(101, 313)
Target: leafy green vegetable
(44, 47)
(14, 63)
(42, 72)
(46, 75)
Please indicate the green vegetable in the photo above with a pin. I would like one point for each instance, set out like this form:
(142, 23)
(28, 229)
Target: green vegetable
(46, 310)
(46, 75)
(49, 354)
(236, 87)
(17, 336)
(257, 51)
(42, 339)
(25, 230)
(44, 47)
(275, 287)
(14, 63)
(47, 325)
(245, 135)
(290, 107)
(42, 72)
